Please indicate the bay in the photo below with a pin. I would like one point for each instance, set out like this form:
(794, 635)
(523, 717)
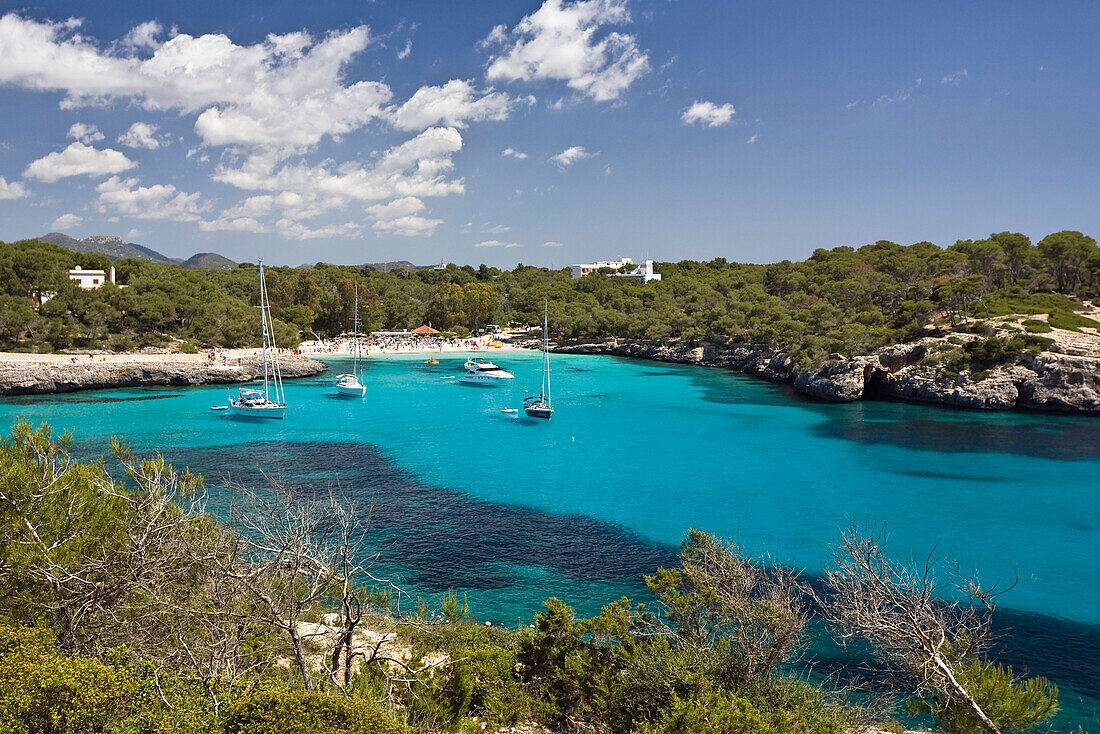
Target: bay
(511, 510)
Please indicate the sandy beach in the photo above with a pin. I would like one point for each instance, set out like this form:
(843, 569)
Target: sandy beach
(484, 345)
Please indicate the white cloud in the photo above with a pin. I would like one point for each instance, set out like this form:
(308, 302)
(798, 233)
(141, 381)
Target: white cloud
(708, 114)
(286, 91)
(160, 201)
(490, 228)
(513, 153)
(552, 244)
(84, 133)
(402, 217)
(607, 170)
(497, 243)
(902, 95)
(144, 35)
(78, 160)
(404, 53)
(253, 206)
(569, 156)
(292, 230)
(141, 135)
(498, 35)
(452, 105)
(238, 224)
(957, 78)
(752, 140)
(418, 167)
(562, 42)
(853, 103)
(13, 190)
(66, 221)
(134, 233)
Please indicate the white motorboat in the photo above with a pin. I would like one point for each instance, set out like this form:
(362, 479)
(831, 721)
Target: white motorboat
(485, 374)
(269, 402)
(538, 406)
(349, 384)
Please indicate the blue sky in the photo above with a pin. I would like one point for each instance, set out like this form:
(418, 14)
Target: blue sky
(546, 132)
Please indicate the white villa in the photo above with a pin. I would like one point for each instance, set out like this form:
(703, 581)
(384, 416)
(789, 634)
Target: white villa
(643, 272)
(90, 279)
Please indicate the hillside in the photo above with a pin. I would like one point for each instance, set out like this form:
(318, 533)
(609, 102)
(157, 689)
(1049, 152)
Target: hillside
(111, 246)
(208, 261)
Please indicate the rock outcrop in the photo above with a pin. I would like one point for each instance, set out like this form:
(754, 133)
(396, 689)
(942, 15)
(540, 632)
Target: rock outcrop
(1055, 380)
(28, 377)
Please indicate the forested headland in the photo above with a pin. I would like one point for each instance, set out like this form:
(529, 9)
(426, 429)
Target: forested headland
(845, 300)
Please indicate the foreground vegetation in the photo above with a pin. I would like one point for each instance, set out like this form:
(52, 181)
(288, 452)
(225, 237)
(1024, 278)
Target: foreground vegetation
(841, 300)
(125, 608)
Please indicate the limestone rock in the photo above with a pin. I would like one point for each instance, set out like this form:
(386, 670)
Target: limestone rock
(844, 381)
(51, 377)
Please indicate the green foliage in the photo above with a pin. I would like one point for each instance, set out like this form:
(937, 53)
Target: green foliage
(1010, 704)
(484, 670)
(1036, 326)
(287, 711)
(720, 712)
(45, 691)
(841, 300)
(568, 672)
(718, 595)
(1071, 321)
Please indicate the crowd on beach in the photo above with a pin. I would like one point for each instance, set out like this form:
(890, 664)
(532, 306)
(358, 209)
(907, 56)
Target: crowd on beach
(398, 345)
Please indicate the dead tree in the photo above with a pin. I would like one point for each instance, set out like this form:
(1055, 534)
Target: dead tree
(718, 593)
(900, 611)
(287, 559)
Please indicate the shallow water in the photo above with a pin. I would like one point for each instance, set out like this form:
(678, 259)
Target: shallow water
(511, 510)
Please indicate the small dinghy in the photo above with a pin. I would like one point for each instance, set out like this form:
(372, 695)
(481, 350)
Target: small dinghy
(509, 410)
(219, 407)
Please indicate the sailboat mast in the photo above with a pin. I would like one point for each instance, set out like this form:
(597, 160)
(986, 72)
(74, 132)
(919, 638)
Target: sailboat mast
(356, 365)
(546, 349)
(263, 326)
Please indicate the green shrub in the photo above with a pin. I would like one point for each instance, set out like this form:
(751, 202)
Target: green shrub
(44, 690)
(1036, 326)
(1010, 704)
(562, 667)
(288, 711)
(716, 712)
(1070, 321)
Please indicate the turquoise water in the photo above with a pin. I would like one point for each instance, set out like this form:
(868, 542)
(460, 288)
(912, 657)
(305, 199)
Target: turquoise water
(511, 510)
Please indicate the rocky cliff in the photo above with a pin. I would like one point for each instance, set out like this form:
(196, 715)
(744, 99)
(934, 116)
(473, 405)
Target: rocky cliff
(1064, 377)
(30, 377)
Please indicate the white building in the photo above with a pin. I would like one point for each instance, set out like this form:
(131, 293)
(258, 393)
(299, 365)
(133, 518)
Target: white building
(90, 279)
(643, 272)
(579, 271)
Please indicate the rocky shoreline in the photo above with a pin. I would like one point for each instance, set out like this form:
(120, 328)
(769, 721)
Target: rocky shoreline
(1063, 378)
(30, 377)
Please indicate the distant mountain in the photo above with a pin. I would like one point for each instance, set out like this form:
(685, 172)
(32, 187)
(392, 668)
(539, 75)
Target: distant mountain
(396, 265)
(208, 261)
(112, 247)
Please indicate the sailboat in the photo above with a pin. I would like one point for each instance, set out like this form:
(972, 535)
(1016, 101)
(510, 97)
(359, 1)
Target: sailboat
(269, 402)
(348, 384)
(538, 406)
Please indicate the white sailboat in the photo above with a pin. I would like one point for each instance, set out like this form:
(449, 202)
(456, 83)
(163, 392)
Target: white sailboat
(269, 402)
(348, 384)
(538, 406)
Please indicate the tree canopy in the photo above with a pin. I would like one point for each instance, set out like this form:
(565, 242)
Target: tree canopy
(843, 300)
